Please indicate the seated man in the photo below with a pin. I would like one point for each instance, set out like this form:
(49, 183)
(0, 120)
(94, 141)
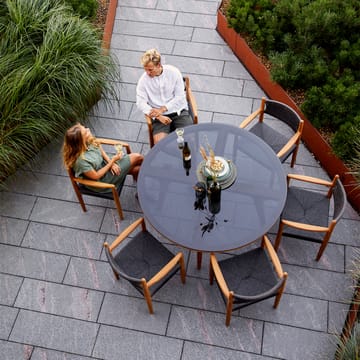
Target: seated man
(160, 94)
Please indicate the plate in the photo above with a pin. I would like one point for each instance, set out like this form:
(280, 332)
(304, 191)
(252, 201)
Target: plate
(225, 167)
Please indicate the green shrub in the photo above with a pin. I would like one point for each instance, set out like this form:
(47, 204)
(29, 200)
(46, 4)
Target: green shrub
(84, 8)
(52, 71)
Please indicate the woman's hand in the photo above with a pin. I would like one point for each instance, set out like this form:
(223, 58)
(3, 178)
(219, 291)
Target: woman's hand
(115, 169)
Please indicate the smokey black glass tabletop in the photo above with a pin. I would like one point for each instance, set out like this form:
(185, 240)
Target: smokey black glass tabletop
(249, 207)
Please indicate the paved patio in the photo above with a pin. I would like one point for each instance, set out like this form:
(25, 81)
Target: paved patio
(59, 299)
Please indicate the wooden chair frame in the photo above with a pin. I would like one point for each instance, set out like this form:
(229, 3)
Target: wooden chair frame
(308, 227)
(192, 110)
(147, 284)
(230, 296)
(293, 141)
(75, 181)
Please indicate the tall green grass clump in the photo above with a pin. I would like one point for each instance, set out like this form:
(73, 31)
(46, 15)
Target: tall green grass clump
(52, 72)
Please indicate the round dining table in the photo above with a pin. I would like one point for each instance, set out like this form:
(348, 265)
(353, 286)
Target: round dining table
(250, 204)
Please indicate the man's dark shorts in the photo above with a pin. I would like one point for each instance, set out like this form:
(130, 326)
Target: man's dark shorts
(178, 121)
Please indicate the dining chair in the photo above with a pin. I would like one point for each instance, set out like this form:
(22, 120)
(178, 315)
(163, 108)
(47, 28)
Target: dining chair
(143, 261)
(191, 105)
(80, 184)
(311, 214)
(248, 278)
(283, 145)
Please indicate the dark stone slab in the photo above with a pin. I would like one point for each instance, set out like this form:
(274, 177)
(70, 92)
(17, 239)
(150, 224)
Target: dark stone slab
(67, 214)
(54, 332)
(96, 275)
(196, 351)
(64, 240)
(118, 343)
(33, 263)
(7, 316)
(16, 205)
(132, 313)
(59, 299)
(12, 230)
(209, 328)
(293, 310)
(9, 286)
(291, 343)
(45, 354)
(14, 351)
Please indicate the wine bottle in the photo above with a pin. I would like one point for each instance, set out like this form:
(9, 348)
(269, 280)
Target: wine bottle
(186, 152)
(214, 197)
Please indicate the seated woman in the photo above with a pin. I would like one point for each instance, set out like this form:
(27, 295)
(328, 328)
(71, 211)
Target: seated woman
(83, 154)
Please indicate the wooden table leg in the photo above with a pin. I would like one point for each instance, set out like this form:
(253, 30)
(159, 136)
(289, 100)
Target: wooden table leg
(199, 259)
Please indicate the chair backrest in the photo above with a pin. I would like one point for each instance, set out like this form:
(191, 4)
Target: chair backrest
(339, 200)
(283, 112)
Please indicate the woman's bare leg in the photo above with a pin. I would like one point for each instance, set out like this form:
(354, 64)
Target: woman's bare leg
(135, 163)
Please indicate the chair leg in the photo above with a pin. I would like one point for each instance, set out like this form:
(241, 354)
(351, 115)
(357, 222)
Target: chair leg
(199, 259)
(278, 236)
(294, 156)
(229, 307)
(79, 196)
(147, 296)
(280, 292)
(117, 203)
(323, 246)
(182, 269)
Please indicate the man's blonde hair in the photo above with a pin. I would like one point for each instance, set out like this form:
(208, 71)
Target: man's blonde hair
(151, 55)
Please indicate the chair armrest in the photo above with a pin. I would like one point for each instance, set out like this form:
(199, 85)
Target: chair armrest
(306, 227)
(310, 179)
(250, 118)
(292, 141)
(94, 183)
(192, 103)
(125, 233)
(115, 142)
(219, 276)
(273, 256)
(166, 269)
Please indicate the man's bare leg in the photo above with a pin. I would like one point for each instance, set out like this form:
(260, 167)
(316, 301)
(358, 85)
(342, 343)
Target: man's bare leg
(159, 136)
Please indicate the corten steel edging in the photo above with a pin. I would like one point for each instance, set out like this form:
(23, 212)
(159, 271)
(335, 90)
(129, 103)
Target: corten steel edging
(109, 25)
(310, 136)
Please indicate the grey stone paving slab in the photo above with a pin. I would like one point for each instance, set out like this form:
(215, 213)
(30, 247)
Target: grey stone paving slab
(145, 15)
(118, 343)
(32, 263)
(113, 129)
(7, 316)
(96, 275)
(164, 31)
(209, 328)
(291, 343)
(196, 351)
(337, 316)
(126, 92)
(44, 185)
(200, 20)
(16, 205)
(132, 313)
(217, 85)
(9, 286)
(300, 252)
(191, 6)
(293, 310)
(228, 119)
(12, 230)
(115, 109)
(112, 223)
(319, 284)
(252, 89)
(217, 103)
(196, 293)
(64, 240)
(45, 354)
(131, 75)
(235, 69)
(139, 3)
(129, 42)
(207, 36)
(346, 232)
(206, 51)
(59, 299)
(67, 214)
(14, 351)
(54, 332)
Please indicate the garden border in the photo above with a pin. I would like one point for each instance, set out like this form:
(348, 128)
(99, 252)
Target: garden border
(109, 25)
(311, 137)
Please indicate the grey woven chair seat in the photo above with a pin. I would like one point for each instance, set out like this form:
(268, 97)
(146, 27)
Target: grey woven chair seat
(143, 260)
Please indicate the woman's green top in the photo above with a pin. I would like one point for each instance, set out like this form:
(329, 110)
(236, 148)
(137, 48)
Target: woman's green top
(92, 159)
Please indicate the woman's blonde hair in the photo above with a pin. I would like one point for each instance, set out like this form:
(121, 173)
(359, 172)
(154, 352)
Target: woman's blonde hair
(151, 55)
(74, 145)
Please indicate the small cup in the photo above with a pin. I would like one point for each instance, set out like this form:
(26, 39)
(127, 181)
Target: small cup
(119, 149)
